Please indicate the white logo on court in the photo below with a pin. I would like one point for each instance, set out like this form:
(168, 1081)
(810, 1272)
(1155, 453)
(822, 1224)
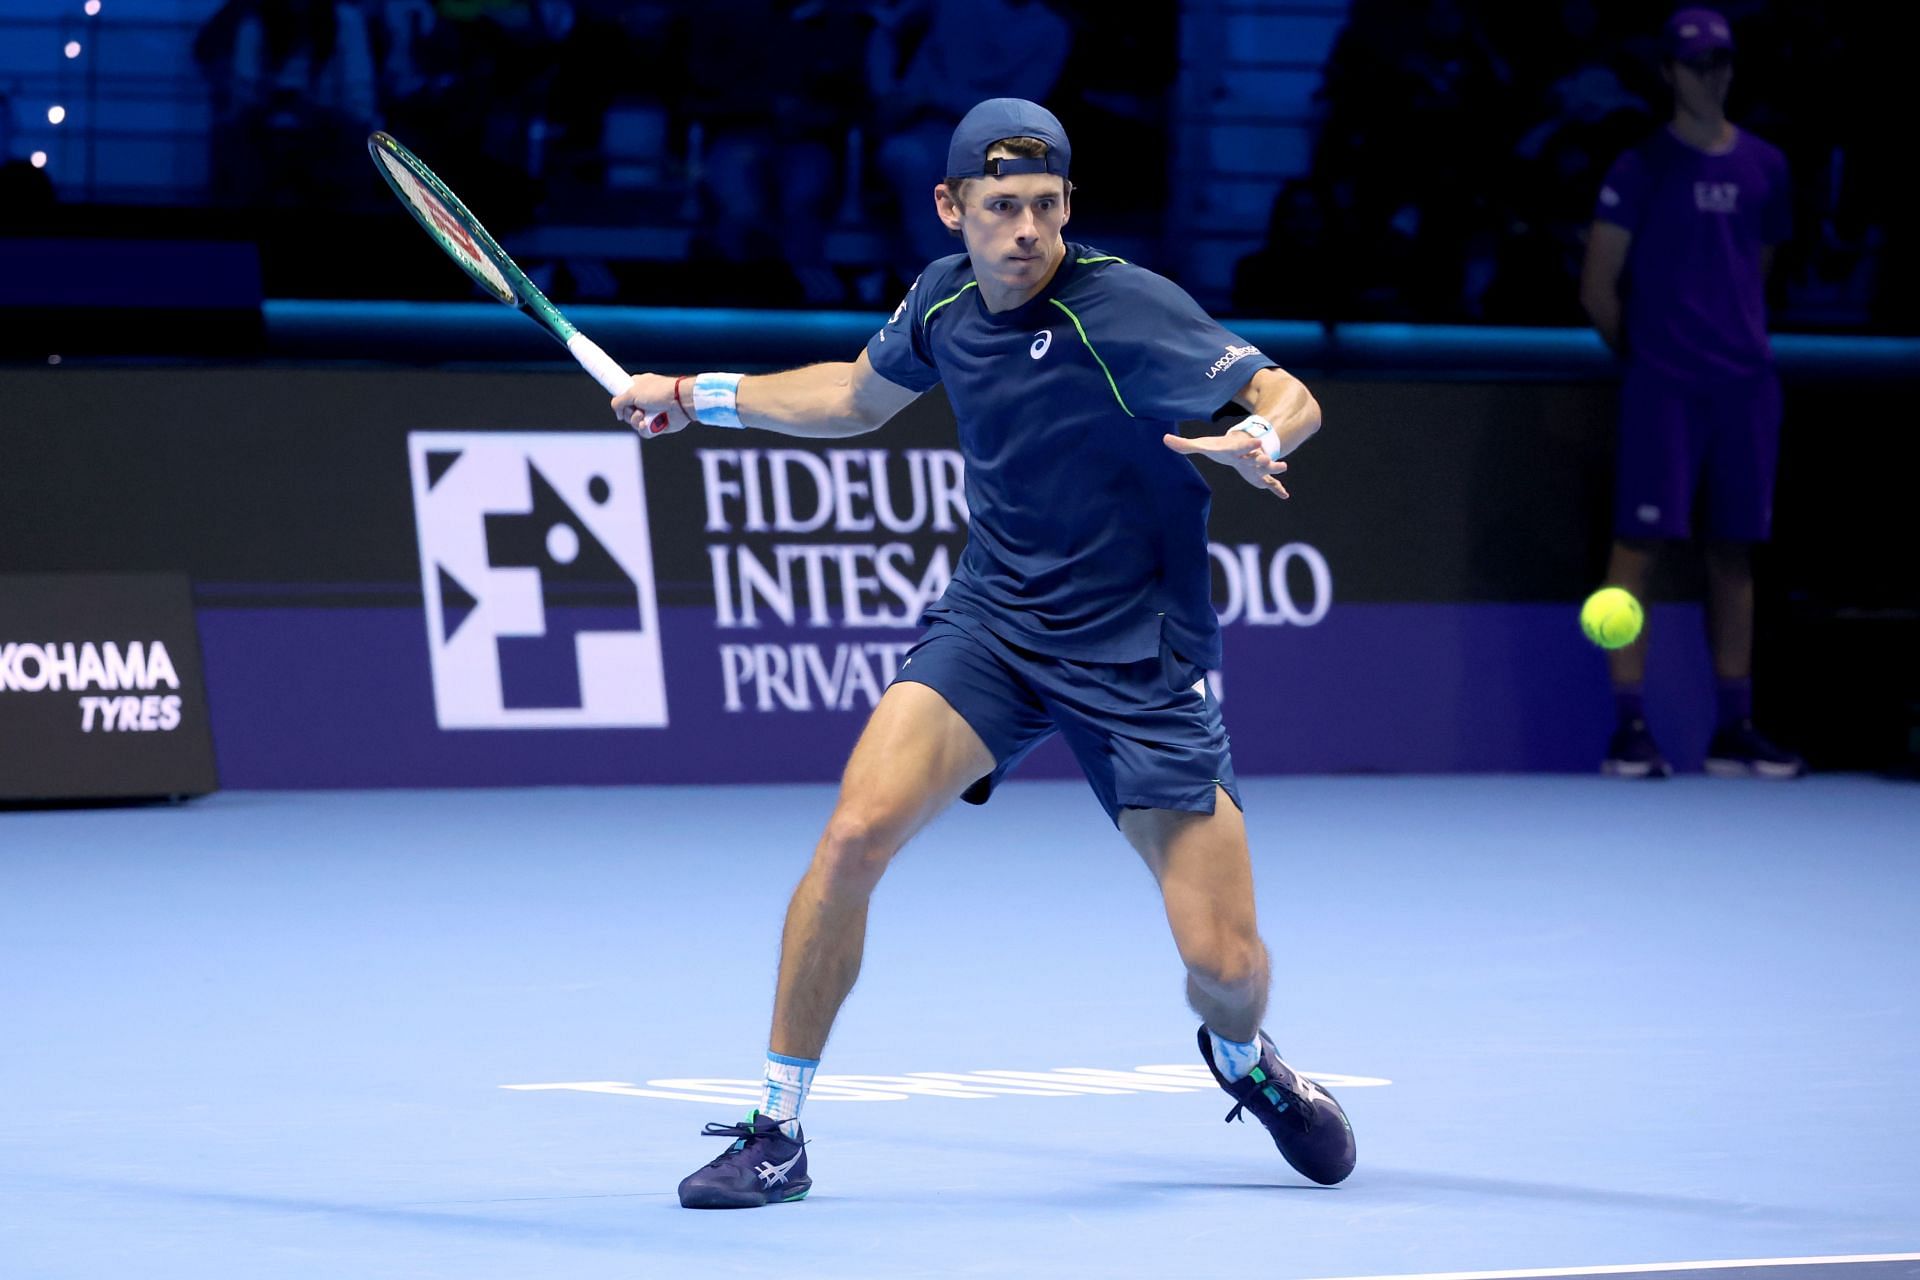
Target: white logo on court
(1061, 1082)
(538, 575)
(1041, 342)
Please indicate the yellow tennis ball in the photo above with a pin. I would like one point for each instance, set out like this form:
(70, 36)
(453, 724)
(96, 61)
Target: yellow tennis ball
(1611, 617)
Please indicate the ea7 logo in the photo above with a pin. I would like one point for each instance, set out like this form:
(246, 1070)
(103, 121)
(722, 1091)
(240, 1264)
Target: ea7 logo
(1716, 197)
(538, 575)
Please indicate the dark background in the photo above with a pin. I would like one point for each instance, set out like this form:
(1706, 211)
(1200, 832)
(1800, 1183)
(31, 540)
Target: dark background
(1333, 160)
(1352, 166)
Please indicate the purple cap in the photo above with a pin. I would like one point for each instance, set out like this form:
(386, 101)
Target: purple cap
(1695, 33)
(998, 118)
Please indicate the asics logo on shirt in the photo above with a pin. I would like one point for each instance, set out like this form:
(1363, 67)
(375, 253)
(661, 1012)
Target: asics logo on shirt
(772, 1174)
(1041, 341)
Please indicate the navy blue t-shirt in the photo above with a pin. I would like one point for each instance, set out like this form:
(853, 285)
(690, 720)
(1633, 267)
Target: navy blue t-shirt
(1696, 305)
(1089, 535)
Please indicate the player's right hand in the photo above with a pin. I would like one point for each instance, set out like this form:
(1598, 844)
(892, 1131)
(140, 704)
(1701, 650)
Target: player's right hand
(648, 406)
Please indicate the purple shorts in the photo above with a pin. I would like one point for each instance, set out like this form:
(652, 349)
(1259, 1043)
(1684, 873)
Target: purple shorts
(1679, 439)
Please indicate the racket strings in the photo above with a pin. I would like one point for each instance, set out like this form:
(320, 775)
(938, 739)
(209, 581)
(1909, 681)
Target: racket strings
(449, 229)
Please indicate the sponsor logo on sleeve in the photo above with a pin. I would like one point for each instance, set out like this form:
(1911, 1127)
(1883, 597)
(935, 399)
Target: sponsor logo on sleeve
(1233, 356)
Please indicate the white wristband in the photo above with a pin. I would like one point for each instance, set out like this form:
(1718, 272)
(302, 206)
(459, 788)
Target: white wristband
(1262, 430)
(716, 399)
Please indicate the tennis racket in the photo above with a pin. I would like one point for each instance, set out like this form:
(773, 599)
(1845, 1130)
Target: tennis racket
(435, 207)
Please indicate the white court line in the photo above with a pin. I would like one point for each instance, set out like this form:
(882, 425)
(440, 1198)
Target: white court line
(1722, 1264)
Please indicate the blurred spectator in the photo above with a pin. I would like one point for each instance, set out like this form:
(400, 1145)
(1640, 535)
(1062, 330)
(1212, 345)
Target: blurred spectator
(773, 90)
(293, 94)
(1546, 194)
(1417, 121)
(930, 61)
(402, 30)
(1120, 80)
(1683, 236)
(468, 89)
(1292, 276)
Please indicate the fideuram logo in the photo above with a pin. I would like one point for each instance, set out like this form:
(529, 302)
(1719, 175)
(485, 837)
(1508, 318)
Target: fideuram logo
(1060, 1082)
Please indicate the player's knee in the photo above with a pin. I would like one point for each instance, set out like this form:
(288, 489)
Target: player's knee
(856, 848)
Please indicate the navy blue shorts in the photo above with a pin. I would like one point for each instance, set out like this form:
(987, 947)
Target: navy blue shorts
(1680, 439)
(1147, 734)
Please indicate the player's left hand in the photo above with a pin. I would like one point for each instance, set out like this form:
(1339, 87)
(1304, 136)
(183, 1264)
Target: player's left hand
(1236, 449)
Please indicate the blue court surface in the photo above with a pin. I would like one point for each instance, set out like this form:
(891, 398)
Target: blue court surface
(1581, 1026)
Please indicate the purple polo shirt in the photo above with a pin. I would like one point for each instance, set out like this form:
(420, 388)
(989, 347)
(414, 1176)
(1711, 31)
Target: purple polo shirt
(1695, 294)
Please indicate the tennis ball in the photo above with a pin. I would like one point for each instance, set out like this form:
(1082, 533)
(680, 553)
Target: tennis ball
(1611, 617)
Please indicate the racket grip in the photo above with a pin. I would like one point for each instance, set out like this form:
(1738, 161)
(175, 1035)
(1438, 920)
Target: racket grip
(598, 363)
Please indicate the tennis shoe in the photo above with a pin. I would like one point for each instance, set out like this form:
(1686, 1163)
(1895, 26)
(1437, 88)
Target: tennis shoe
(763, 1166)
(1634, 754)
(1306, 1123)
(1739, 750)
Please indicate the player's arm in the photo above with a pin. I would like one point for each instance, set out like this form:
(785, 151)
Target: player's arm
(820, 401)
(1607, 245)
(1284, 414)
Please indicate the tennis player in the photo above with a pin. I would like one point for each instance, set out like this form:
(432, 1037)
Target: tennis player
(1081, 607)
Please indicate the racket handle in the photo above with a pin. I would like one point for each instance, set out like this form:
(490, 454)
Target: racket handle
(602, 366)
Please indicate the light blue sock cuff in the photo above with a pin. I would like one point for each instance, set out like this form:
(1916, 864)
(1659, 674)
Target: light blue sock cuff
(784, 1060)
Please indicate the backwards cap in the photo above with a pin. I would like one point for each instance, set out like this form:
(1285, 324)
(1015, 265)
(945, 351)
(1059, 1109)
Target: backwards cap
(999, 118)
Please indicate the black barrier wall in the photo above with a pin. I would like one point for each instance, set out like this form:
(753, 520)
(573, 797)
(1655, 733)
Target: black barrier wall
(786, 576)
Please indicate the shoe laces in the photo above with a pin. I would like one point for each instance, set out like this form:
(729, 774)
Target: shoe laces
(1282, 1098)
(743, 1133)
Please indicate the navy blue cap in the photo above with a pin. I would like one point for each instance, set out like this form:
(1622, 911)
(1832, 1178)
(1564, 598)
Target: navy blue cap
(999, 118)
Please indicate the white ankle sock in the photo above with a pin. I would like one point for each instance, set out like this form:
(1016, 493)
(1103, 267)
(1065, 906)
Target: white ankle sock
(1234, 1059)
(784, 1089)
